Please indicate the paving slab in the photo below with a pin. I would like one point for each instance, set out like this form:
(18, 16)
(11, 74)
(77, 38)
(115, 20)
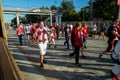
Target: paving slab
(59, 66)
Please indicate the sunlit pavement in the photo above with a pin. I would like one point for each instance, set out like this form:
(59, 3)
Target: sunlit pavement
(59, 66)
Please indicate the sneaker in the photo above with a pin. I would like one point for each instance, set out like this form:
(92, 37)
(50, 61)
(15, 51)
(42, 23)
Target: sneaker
(100, 55)
(64, 43)
(55, 46)
(83, 56)
(78, 65)
(41, 66)
(44, 61)
(85, 47)
(68, 47)
(49, 45)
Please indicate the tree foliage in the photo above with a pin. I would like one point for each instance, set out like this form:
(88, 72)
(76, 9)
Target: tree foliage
(53, 7)
(22, 19)
(105, 9)
(69, 9)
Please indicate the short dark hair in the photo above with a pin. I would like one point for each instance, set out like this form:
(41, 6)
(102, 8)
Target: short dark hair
(78, 24)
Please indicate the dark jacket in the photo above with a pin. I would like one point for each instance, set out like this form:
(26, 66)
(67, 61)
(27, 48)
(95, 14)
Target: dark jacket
(67, 31)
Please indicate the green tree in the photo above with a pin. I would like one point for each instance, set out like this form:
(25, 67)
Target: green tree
(36, 18)
(14, 20)
(69, 9)
(22, 19)
(84, 14)
(53, 7)
(105, 9)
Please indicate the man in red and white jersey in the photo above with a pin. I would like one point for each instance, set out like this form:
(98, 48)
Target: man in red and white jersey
(42, 39)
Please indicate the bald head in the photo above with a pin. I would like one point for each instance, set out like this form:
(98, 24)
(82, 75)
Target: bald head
(41, 24)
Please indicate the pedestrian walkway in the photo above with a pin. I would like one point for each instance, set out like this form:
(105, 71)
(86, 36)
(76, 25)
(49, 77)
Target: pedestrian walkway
(59, 66)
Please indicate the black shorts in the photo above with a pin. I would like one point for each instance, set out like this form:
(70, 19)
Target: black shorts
(28, 34)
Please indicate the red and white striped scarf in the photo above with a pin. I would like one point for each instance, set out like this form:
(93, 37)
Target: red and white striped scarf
(41, 35)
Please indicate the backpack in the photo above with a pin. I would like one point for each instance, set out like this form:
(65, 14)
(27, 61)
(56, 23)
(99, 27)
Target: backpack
(108, 32)
(114, 57)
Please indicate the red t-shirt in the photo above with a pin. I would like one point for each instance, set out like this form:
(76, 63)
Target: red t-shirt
(19, 31)
(85, 31)
(76, 37)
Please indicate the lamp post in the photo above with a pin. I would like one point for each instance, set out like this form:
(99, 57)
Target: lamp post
(119, 13)
(83, 14)
(91, 9)
(118, 2)
(28, 3)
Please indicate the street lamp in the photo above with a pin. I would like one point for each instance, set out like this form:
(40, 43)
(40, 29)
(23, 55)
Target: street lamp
(91, 9)
(28, 3)
(83, 15)
(118, 3)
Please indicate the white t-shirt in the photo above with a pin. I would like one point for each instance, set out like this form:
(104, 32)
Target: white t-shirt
(94, 27)
(116, 68)
(28, 28)
(71, 26)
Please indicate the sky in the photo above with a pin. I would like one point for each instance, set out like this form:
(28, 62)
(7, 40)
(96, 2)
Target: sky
(37, 4)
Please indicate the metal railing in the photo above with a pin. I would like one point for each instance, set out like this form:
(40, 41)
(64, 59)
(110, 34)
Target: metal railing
(9, 9)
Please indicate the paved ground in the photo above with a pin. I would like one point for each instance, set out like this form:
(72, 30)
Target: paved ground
(59, 66)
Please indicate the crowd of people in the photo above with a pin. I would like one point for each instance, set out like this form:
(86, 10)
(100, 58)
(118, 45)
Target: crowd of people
(75, 35)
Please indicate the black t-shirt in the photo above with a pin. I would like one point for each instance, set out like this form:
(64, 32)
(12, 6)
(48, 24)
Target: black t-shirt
(111, 36)
(67, 31)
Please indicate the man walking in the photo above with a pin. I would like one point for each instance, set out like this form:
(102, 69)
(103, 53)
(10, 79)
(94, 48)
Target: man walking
(113, 37)
(77, 42)
(42, 39)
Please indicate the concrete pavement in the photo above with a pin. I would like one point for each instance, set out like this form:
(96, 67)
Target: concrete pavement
(59, 66)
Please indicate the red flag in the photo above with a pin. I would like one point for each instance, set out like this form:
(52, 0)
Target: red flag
(118, 2)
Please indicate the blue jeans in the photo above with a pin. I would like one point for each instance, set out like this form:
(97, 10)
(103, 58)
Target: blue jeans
(84, 40)
(67, 41)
